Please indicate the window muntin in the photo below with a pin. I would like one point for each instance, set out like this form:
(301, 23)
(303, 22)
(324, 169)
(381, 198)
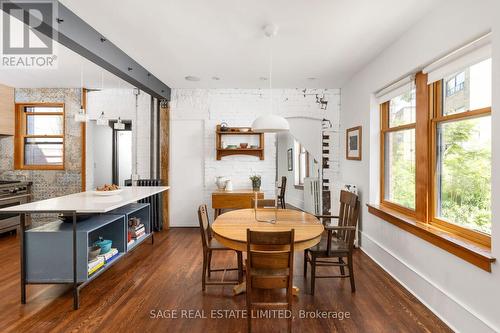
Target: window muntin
(400, 168)
(464, 173)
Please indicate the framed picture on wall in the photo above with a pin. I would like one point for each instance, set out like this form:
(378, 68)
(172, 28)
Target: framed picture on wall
(353, 143)
(289, 157)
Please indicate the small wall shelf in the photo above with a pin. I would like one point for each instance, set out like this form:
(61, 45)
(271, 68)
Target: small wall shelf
(235, 131)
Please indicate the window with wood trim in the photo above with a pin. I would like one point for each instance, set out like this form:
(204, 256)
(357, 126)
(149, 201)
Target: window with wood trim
(301, 160)
(398, 151)
(436, 152)
(39, 137)
(461, 143)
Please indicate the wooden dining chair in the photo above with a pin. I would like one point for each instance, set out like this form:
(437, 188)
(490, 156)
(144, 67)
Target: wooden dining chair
(269, 266)
(338, 243)
(264, 203)
(281, 195)
(210, 244)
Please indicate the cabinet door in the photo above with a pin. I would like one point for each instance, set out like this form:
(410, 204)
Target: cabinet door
(6, 110)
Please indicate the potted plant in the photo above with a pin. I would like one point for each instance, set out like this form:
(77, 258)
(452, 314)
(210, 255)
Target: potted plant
(256, 181)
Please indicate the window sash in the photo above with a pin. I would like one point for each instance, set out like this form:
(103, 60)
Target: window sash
(384, 111)
(438, 118)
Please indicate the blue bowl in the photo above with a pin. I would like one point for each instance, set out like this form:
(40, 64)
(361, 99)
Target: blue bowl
(105, 245)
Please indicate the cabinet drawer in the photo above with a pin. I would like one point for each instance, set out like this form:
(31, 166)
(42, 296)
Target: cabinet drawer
(233, 201)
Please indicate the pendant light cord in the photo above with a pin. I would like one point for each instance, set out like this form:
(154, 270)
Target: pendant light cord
(271, 70)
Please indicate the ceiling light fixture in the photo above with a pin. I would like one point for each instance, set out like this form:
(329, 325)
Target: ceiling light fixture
(270, 123)
(215, 78)
(192, 78)
(81, 116)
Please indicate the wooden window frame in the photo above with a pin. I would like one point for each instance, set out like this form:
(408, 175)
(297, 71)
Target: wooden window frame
(437, 117)
(384, 129)
(20, 135)
(428, 117)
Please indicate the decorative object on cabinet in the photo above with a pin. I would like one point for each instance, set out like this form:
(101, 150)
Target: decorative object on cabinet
(353, 143)
(230, 149)
(256, 182)
(221, 182)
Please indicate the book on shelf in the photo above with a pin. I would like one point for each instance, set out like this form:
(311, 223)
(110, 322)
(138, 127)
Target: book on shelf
(94, 265)
(108, 255)
(138, 227)
(139, 234)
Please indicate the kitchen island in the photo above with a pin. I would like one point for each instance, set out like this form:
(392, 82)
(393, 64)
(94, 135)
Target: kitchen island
(105, 214)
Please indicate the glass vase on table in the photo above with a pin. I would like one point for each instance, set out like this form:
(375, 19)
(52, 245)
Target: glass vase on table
(262, 213)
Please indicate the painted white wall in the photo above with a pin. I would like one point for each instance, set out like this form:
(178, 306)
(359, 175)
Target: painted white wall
(99, 152)
(122, 102)
(124, 156)
(463, 295)
(239, 107)
(188, 169)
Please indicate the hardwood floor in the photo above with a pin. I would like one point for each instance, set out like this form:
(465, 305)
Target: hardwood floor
(137, 292)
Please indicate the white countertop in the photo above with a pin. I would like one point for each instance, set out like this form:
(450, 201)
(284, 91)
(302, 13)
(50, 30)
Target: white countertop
(88, 202)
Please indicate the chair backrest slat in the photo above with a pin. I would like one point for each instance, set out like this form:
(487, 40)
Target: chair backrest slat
(204, 221)
(282, 187)
(348, 216)
(270, 251)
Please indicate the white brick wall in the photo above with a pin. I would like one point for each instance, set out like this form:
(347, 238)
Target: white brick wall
(239, 107)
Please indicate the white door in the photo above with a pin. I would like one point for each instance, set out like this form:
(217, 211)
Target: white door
(186, 171)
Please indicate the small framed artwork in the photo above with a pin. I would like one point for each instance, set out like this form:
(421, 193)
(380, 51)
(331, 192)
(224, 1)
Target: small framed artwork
(353, 143)
(289, 157)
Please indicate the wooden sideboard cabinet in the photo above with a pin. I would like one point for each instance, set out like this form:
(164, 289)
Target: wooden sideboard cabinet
(7, 113)
(236, 199)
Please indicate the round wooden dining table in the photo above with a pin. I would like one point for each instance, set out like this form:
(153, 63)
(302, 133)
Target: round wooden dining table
(230, 229)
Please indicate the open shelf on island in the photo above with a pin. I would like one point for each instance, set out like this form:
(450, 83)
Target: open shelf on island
(49, 248)
(137, 210)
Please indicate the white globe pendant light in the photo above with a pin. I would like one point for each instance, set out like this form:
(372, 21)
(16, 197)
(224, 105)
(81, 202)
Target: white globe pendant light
(270, 123)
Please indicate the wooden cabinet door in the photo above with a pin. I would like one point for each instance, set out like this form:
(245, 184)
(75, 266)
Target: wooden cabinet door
(6, 110)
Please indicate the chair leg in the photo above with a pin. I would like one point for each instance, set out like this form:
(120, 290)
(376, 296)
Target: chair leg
(204, 271)
(351, 272)
(239, 256)
(289, 320)
(305, 263)
(313, 274)
(342, 269)
(209, 263)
